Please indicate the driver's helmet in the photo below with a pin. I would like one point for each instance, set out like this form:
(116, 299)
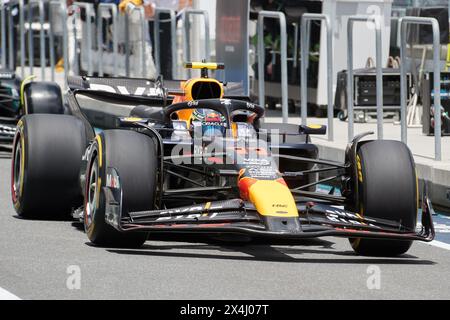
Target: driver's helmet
(213, 123)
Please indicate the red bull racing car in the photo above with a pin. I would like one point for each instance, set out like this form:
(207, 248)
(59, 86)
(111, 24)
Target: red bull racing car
(134, 157)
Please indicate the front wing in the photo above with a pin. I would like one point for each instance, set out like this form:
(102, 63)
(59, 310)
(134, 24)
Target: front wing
(239, 217)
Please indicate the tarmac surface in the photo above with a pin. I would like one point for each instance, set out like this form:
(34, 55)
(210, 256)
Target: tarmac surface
(42, 259)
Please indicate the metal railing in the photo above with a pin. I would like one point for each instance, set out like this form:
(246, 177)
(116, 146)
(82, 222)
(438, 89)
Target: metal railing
(40, 5)
(59, 7)
(10, 39)
(379, 73)
(51, 44)
(404, 21)
(7, 60)
(157, 39)
(103, 8)
(295, 52)
(22, 38)
(144, 33)
(89, 8)
(62, 11)
(261, 53)
(27, 28)
(306, 22)
(87, 49)
(186, 34)
(3, 32)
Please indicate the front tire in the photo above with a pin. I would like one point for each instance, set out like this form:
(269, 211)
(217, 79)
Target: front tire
(134, 156)
(388, 189)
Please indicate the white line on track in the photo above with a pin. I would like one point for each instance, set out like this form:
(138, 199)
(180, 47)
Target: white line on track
(438, 244)
(6, 295)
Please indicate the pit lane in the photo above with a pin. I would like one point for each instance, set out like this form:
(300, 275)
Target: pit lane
(37, 258)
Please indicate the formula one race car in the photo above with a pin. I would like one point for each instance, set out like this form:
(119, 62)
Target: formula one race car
(18, 97)
(139, 156)
(9, 105)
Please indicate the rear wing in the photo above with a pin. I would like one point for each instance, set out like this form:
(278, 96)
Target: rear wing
(119, 85)
(121, 89)
(142, 88)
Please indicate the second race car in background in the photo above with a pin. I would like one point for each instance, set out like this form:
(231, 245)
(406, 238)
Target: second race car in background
(19, 97)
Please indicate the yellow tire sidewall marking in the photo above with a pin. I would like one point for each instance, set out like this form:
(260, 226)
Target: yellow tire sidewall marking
(100, 164)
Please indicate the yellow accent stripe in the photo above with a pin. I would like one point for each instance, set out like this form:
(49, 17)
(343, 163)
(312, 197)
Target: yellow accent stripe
(234, 129)
(99, 185)
(100, 153)
(358, 166)
(206, 208)
(100, 160)
(131, 119)
(22, 89)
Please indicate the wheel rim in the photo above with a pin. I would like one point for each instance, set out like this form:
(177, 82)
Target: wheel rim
(91, 193)
(17, 170)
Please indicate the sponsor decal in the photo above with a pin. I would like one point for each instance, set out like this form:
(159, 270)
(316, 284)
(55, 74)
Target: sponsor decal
(194, 216)
(226, 102)
(138, 91)
(250, 105)
(193, 212)
(6, 75)
(112, 181)
(257, 162)
(262, 172)
(193, 103)
(6, 130)
(336, 215)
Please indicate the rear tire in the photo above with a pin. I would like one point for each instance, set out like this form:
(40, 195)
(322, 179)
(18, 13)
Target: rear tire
(387, 190)
(47, 152)
(134, 156)
(43, 97)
